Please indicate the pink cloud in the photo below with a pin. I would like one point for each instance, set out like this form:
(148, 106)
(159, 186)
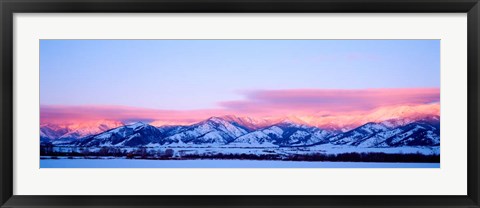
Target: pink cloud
(329, 101)
(318, 107)
(61, 114)
(400, 113)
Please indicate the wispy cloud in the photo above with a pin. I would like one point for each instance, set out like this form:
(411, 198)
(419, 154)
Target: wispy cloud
(330, 105)
(59, 114)
(329, 101)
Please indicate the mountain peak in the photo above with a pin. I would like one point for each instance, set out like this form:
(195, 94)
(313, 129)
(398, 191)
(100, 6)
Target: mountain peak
(137, 125)
(294, 122)
(230, 117)
(77, 129)
(216, 119)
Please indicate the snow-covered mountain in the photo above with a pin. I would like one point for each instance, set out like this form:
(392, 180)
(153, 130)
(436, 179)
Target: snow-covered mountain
(134, 135)
(77, 130)
(285, 133)
(67, 133)
(49, 132)
(242, 132)
(396, 115)
(247, 122)
(213, 131)
(358, 135)
(418, 133)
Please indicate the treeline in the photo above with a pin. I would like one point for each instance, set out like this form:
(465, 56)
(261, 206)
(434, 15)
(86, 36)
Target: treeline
(138, 153)
(170, 154)
(342, 157)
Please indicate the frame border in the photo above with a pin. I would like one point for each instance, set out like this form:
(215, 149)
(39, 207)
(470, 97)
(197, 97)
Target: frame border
(9, 7)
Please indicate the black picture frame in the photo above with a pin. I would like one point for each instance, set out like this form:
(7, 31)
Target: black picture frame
(9, 7)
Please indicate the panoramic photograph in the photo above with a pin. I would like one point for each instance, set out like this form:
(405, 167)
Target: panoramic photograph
(239, 104)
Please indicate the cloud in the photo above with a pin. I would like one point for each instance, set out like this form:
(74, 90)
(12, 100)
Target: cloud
(329, 101)
(60, 114)
(320, 106)
(395, 112)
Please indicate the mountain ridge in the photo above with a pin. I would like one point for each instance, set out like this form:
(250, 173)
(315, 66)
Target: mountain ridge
(235, 132)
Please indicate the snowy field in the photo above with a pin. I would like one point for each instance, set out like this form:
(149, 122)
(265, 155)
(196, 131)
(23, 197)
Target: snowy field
(126, 163)
(326, 149)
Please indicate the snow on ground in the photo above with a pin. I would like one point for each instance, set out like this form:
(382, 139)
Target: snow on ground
(126, 163)
(325, 149)
(337, 149)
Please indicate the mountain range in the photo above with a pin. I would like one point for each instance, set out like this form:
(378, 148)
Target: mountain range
(232, 131)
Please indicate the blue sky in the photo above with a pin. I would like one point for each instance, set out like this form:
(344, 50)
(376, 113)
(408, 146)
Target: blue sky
(198, 74)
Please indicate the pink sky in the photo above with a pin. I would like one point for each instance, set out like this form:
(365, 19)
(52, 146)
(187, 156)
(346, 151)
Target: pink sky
(325, 105)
